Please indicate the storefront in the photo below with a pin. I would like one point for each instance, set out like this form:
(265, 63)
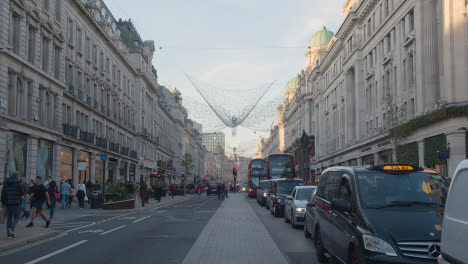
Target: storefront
(132, 172)
(111, 170)
(123, 171)
(98, 169)
(66, 164)
(368, 160)
(44, 158)
(16, 149)
(83, 166)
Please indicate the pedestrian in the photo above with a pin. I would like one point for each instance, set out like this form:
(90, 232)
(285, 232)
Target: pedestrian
(173, 190)
(219, 191)
(25, 185)
(25, 208)
(65, 188)
(143, 193)
(47, 182)
(81, 194)
(38, 195)
(54, 198)
(158, 191)
(11, 198)
(72, 193)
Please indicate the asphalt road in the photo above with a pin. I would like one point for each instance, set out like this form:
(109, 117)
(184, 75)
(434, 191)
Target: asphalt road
(162, 235)
(291, 241)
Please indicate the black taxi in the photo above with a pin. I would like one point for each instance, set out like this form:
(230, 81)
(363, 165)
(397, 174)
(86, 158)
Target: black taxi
(379, 214)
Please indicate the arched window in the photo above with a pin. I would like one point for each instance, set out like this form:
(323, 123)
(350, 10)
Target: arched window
(42, 106)
(29, 102)
(20, 98)
(50, 110)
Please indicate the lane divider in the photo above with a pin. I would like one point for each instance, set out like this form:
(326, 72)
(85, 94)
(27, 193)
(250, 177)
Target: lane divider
(56, 252)
(136, 221)
(112, 230)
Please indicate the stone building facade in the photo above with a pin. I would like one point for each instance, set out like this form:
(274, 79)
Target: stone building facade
(76, 83)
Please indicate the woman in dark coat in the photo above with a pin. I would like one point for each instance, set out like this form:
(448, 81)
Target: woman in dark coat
(143, 193)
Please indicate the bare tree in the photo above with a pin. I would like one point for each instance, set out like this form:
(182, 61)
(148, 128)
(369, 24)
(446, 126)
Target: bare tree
(395, 117)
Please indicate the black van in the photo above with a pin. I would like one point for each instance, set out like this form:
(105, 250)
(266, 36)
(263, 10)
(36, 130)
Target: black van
(278, 191)
(379, 214)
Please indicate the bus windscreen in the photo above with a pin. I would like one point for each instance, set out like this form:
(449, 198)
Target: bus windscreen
(281, 166)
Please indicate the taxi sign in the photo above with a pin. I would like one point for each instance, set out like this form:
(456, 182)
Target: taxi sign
(398, 168)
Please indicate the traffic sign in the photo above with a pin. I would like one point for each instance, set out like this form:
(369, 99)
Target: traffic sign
(103, 156)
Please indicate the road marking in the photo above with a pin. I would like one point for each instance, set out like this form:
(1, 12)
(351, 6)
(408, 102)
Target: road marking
(140, 219)
(199, 206)
(79, 227)
(128, 217)
(92, 231)
(112, 230)
(161, 211)
(162, 206)
(157, 236)
(56, 252)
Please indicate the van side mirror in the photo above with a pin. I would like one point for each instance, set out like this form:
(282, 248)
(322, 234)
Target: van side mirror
(341, 205)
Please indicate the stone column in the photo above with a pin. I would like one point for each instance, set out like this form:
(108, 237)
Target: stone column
(57, 161)
(457, 142)
(376, 159)
(127, 172)
(359, 161)
(117, 170)
(3, 147)
(31, 157)
(75, 172)
(421, 153)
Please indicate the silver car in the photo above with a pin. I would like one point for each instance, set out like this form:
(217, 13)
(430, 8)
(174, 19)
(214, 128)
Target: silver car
(296, 205)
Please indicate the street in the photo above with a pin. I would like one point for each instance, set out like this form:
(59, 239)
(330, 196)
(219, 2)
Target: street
(199, 229)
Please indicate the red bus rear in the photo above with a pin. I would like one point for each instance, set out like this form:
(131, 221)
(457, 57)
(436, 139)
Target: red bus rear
(256, 174)
(280, 166)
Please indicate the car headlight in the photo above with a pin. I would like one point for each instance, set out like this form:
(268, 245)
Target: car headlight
(278, 200)
(376, 244)
(264, 194)
(300, 210)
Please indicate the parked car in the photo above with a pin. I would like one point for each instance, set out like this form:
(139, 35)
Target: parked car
(262, 192)
(454, 241)
(379, 214)
(278, 190)
(309, 216)
(295, 207)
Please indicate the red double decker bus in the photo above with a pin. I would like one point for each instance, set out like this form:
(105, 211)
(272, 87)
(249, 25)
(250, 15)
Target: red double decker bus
(281, 165)
(256, 174)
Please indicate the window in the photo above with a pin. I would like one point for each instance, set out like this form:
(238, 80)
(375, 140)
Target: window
(45, 53)
(94, 55)
(371, 60)
(403, 81)
(389, 42)
(345, 192)
(87, 48)
(31, 43)
(411, 21)
(380, 15)
(57, 62)
(403, 30)
(101, 61)
(70, 31)
(45, 5)
(386, 8)
(58, 10)
(369, 29)
(14, 33)
(411, 109)
(410, 70)
(79, 39)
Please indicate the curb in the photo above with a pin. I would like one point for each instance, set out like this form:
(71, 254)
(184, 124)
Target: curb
(26, 241)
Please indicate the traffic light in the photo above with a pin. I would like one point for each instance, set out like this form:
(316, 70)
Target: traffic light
(234, 172)
(203, 179)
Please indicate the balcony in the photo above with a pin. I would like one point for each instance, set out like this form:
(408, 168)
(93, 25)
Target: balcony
(69, 130)
(88, 100)
(114, 147)
(87, 136)
(133, 154)
(96, 104)
(103, 109)
(101, 142)
(71, 89)
(108, 112)
(124, 151)
(80, 95)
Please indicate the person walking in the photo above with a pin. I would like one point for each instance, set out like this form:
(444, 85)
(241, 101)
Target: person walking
(72, 193)
(158, 191)
(89, 190)
(81, 194)
(143, 193)
(47, 182)
(173, 190)
(65, 188)
(11, 198)
(54, 198)
(38, 195)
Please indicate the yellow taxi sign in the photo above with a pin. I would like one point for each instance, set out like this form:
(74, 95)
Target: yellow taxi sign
(398, 168)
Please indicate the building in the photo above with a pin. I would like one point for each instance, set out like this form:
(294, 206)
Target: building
(212, 140)
(75, 83)
(402, 50)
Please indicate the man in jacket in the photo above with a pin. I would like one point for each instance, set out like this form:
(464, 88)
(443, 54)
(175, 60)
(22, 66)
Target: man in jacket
(12, 196)
(38, 195)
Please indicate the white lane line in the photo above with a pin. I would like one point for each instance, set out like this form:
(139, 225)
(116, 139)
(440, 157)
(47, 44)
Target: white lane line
(161, 211)
(112, 230)
(56, 252)
(115, 217)
(162, 206)
(199, 206)
(140, 219)
(77, 227)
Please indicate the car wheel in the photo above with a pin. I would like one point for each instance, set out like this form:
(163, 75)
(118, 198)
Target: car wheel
(319, 249)
(306, 232)
(356, 256)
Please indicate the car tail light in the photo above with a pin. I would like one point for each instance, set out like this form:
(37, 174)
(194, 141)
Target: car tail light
(207, 188)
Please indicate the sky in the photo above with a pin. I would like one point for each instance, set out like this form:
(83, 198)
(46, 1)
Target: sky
(230, 44)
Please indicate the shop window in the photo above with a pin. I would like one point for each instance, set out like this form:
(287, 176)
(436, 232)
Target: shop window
(431, 146)
(408, 154)
(44, 159)
(66, 164)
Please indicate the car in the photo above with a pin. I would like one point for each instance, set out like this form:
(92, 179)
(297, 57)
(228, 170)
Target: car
(309, 216)
(455, 224)
(245, 187)
(388, 213)
(295, 207)
(278, 190)
(262, 192)
(212, 188)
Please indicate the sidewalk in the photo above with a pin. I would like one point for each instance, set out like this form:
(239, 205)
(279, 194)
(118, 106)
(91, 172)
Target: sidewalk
(234, 235)
(26, 235)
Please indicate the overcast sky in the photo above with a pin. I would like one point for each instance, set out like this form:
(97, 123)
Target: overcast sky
(231, 44)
